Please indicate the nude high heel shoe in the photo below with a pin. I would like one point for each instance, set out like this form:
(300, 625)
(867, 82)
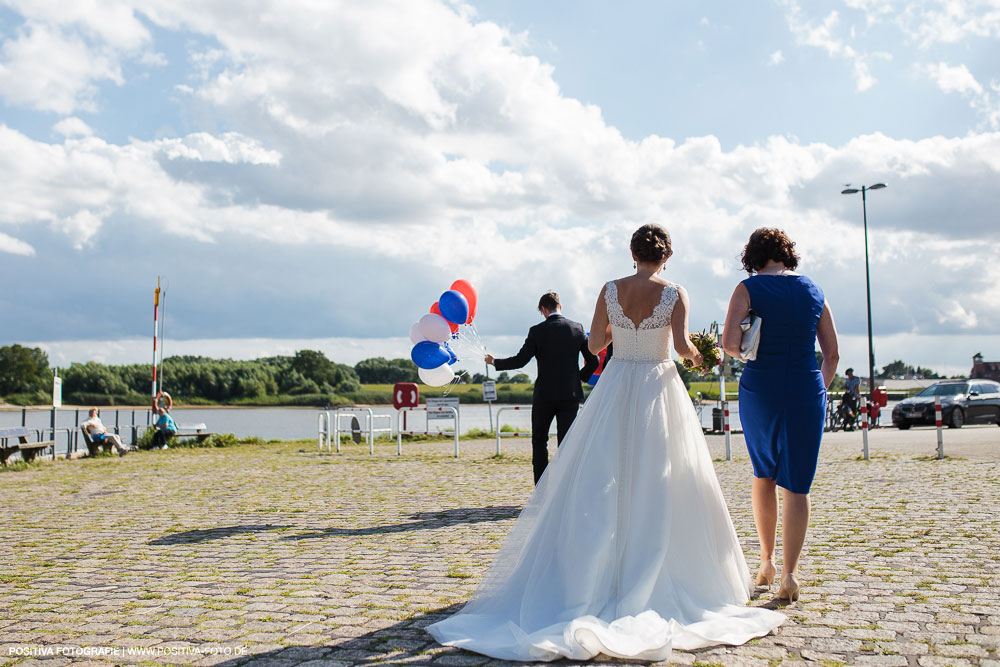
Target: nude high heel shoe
(789, 589)
(765, 575)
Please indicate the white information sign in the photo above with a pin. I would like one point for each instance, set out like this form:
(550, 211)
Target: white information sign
(57, 392)
(489, 390)
(446, 402)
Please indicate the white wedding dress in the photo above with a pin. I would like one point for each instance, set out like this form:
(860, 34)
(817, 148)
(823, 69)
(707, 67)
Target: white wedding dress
(626, 547)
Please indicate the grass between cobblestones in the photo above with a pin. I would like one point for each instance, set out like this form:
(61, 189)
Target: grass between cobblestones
(277, 554)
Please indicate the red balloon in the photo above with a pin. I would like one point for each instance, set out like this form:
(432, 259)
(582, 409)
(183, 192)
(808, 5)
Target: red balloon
(466, 289)
(437, 311)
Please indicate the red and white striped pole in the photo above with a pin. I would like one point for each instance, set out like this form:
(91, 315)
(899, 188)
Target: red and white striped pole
(864, 425)
(938, 424)
(723, 403)
(725, 429)
(156, 310)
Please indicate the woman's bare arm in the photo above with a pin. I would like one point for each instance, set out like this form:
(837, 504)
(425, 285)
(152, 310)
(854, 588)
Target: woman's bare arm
(679, 325)
(826, 334)
(739, 308)
(600, 328)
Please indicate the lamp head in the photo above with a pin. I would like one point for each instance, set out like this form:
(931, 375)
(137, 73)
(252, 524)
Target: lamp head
(877, 186)
(850, 191)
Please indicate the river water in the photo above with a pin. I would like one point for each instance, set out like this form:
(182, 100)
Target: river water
(284, 423)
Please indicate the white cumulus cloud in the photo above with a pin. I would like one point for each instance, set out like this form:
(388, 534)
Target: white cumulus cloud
(411, 132)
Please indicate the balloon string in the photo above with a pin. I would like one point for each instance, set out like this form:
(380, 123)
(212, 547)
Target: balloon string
(454, 382)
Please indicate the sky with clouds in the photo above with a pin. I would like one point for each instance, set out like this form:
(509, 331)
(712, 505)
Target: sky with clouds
(315, 174)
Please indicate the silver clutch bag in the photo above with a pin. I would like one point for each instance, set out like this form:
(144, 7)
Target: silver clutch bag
(751, 336)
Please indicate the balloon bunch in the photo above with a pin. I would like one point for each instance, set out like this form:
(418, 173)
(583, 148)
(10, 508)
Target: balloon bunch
(448, 325)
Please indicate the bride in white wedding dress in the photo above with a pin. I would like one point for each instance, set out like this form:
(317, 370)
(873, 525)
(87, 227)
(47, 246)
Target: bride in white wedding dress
(626, 547)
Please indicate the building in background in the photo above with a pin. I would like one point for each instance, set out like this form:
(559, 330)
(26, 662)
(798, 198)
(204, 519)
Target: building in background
(989, 370)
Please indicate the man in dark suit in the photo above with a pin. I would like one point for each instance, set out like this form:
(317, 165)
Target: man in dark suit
(557, 344)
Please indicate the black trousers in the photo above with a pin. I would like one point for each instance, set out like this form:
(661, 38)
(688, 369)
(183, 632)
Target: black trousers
(542, 413)
(161, 436)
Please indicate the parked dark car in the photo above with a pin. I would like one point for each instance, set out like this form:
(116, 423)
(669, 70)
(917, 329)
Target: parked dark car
(962, 402)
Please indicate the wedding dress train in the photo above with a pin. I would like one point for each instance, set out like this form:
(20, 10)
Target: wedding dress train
(626, 547)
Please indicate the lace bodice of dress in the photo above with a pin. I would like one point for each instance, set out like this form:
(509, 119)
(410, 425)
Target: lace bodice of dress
(651, 340)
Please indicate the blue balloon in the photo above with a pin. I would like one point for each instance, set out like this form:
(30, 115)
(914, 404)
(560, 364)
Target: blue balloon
(428, 354)
(454, 307)
(451, 353)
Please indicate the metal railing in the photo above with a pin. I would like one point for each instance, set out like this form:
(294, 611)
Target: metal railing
(400, 432)
(68, 438)
(510, 434)
(328, 426)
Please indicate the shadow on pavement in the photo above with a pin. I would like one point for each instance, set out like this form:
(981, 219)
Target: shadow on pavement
(405, 642)
(421, 521)
(206, 534)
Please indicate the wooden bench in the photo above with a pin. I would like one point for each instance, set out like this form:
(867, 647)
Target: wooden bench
(95, 446)
(192, 431)
(26, 447)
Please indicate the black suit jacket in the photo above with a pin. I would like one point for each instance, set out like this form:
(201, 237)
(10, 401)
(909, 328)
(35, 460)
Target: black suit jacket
(557, 344)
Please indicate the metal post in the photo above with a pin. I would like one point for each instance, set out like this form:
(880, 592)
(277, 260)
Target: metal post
(76, 432)
(400, 421)
(24, 416)
(336, 428)
(53, 425)
(868, 292)
(321, 429)
(490, 404)
(937, 422)
(725, 429)
(399, 433)
(864, 425)
(371, 431)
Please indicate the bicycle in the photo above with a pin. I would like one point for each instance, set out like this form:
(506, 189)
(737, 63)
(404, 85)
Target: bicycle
(844, 416)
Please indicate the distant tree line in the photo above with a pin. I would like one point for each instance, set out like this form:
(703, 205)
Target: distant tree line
(308, 377)
(898, 369)
(25, 373)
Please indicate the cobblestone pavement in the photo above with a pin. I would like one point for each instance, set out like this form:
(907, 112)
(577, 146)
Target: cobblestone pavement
(281, 555)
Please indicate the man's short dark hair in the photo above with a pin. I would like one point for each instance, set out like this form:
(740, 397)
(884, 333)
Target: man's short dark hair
(549, 301)
(849, 370)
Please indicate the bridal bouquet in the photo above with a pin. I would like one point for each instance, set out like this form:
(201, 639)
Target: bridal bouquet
(709, 351)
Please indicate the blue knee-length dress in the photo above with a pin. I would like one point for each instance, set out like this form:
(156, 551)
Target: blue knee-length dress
(782, 395)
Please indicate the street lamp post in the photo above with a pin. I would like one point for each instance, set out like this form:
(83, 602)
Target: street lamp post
(868, 284)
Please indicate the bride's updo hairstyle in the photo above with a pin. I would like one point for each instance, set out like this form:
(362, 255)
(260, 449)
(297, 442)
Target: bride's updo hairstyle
(651, 244)
(765, 244)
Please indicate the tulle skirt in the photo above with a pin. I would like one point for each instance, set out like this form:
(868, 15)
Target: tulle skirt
(625, 548)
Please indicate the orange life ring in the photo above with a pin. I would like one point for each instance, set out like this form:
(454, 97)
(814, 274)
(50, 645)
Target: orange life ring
(167, 400)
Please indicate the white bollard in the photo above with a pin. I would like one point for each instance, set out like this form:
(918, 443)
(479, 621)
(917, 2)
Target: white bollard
(937, 422)
(864, 425)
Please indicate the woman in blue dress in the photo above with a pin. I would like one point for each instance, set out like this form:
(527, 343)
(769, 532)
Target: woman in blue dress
(782, 393)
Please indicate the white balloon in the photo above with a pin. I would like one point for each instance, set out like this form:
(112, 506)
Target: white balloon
(434, 327)
(415, 334)
(436, 377)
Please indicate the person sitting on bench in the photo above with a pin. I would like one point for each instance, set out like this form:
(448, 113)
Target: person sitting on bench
(98, 433)
(166, 428)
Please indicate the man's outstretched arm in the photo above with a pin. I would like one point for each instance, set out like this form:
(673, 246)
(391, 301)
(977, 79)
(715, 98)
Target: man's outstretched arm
(525, 354)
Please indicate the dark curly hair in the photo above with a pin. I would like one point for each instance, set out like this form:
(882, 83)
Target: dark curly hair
(651, 243)
(765, 244)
